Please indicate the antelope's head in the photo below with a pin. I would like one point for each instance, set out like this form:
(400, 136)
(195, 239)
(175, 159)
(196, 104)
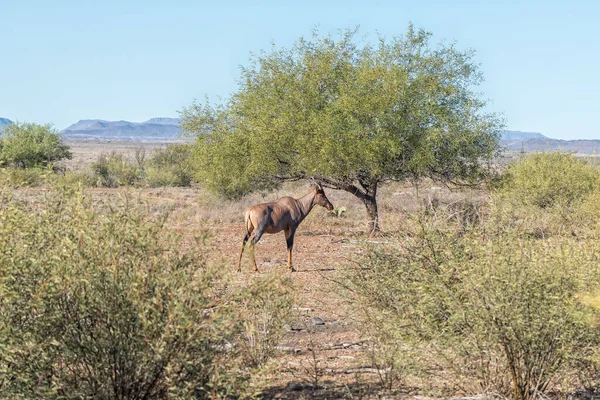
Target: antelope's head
(321, 199)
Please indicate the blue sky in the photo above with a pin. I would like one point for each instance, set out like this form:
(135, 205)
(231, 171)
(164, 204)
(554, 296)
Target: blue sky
(66, 60)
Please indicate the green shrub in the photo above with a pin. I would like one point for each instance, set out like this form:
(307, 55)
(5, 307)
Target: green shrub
(170, 166)
(72, 178)
(32, 177)
(113, 170)
(27, 145)
(166, 167)
(18, 177)
(111, 305)
(547, 180)
(263, 307)
(338, 212)
(491, 305)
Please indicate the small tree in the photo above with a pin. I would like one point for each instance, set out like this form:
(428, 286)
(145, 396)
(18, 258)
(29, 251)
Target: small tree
(348, 116)
(27, 145)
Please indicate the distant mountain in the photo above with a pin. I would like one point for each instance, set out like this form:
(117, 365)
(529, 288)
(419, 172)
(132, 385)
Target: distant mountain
(533, 141)
(4, 122)
(518, 135)
(167, 130)
(153, 130)
(164, 121)
(547, 144)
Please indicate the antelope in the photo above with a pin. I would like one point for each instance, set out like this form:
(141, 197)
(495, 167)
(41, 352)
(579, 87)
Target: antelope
(284, 215)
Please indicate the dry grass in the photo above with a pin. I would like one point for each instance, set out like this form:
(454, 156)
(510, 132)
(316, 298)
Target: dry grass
(332, 356)
(315, 361)
(86, 152)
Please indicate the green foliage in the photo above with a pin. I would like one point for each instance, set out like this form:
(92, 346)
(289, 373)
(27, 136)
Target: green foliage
(558, 193)
(263, 307)
(166, 167)
(71, 178)
(32, 177)
(111, 305)
(348, 114)
(338, 212)
(19, 177)
(113, 170)
(28, 145)
(549, 180)
(170, 166)
(492, 304)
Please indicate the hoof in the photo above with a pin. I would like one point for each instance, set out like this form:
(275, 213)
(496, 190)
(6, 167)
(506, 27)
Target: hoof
(293, 269)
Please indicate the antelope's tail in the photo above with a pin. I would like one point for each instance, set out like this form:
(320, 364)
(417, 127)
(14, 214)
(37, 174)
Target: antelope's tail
(248, 223)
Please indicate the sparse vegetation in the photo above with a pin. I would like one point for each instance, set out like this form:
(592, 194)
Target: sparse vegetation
(471, 292)
(114, 170)
(166, 167)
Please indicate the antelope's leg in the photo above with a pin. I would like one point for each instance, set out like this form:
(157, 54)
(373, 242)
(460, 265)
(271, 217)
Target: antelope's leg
(251, 250)
(242, 251)
(289, 239)
(257, 235)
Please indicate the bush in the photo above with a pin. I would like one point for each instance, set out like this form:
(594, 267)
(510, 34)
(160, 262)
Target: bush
(170, 166)
(110, 305)
(113, 170)
(32, 177)
(166, 167)
(491, 304)
(28, 145)
(72, 178)
(547, 180)
(18, 177)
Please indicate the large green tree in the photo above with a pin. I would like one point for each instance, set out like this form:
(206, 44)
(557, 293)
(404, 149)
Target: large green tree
(348, 115)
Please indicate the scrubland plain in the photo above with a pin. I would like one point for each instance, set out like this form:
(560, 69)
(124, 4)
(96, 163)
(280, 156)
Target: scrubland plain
(346, 337)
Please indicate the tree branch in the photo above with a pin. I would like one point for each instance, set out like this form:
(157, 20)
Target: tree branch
(341, 185)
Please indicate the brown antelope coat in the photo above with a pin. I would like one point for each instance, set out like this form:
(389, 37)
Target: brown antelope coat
(284, 215)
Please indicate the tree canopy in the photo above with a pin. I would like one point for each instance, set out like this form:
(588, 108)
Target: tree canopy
(27, 145)
(350, 115)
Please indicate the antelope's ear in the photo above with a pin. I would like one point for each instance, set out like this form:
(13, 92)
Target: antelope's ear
(317, 187)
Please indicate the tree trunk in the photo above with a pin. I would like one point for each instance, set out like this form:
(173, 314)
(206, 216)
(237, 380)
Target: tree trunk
(367, 193)
(370, 201)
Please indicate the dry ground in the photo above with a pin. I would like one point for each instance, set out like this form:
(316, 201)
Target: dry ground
(88, 151)
(333, 356)
(316, 361)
